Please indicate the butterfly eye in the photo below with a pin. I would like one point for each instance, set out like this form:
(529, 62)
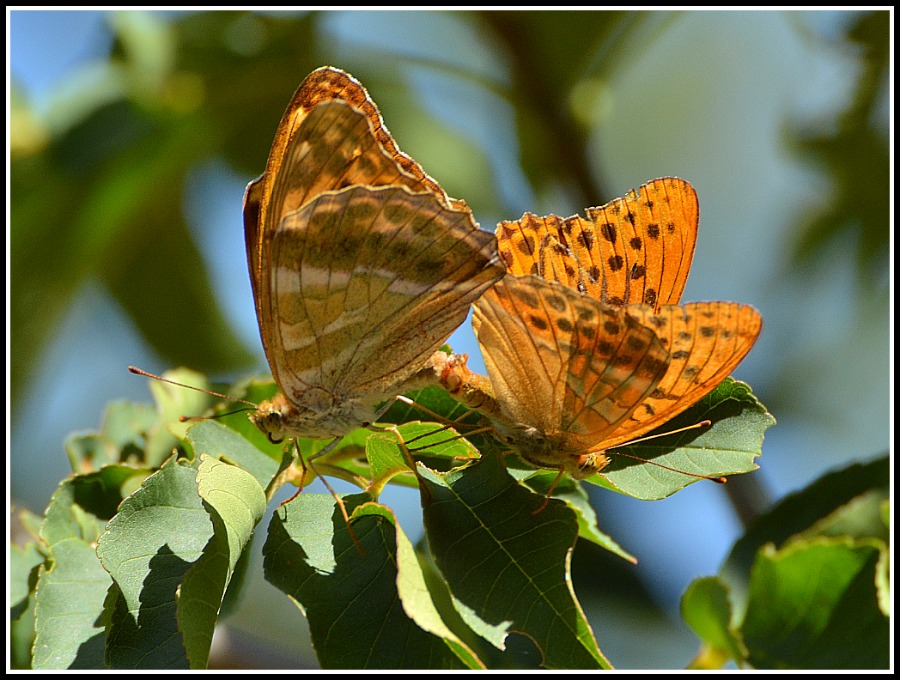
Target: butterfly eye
(270, 421)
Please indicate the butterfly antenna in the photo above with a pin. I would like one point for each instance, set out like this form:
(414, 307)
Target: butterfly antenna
(186, 419)
(138, 371)
(702, 423)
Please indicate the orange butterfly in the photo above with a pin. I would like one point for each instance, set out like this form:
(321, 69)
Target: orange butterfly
(361, 265)
(630, 259)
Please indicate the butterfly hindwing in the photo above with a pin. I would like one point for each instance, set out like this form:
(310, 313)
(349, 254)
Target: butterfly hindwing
(367, 282)
(706, 342)
(566, 365)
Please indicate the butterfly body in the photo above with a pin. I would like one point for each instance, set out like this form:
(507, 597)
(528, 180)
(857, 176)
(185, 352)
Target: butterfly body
(553, 451)
(316, 413)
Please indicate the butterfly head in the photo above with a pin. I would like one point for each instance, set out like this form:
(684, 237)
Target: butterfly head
(281, 418)
(588, 464)
(553, 451)
(270, 419)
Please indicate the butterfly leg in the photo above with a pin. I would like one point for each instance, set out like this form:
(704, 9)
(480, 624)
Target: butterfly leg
(409, 459)
(543, 505)
(447, 424)
(338, 500)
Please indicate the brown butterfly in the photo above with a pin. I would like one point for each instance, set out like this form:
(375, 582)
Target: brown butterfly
(361, 265)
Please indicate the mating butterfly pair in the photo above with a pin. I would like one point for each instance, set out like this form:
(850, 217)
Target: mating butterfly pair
(362, 266)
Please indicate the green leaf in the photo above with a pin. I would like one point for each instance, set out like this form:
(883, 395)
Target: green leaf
(507, 567)
(576, 497)
(813, 605)
(860, 517)
(159, 533)
(23, 563)
(800, 511)
(88, 451)
(31, 523)
(237, 500)
(439, 445)
(236, 503)
(356, 604)
(434, 442)
(883, 581)
(728, 446)
(67, 610)
(72, 584)
(431, 403)
(412, 589)
(386, 460)
(173, 402)
(125, 423)
(215, 439)
(21, 638)
(120, 439)
(706, 608)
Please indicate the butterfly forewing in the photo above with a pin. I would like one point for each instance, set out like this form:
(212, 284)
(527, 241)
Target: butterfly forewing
(635, 249)
(330, 84)
(330, 136)
(531, 246)
(706, 341)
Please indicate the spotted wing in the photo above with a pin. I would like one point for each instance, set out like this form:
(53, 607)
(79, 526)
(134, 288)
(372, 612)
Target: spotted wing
(636, 249)
(367, 282)
(706, 341)
(563, 363)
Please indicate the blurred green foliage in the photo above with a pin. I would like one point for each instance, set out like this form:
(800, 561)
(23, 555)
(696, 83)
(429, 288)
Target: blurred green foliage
(854, 154)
